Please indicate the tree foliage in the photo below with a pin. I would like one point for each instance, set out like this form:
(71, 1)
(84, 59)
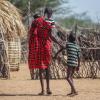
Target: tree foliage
(61, 12)
(23, 4)
(81, 19)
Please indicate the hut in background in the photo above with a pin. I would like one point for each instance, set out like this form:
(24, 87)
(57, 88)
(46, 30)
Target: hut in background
(11, 30)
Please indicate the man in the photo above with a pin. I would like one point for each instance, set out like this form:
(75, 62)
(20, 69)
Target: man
(40, 47)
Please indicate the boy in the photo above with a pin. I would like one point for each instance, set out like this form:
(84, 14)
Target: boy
(73, 61)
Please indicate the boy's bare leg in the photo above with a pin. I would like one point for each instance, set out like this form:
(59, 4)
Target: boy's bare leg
(70, 72)
(73, 70)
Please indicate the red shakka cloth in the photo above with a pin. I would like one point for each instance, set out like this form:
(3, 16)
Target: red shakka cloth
(39, 44)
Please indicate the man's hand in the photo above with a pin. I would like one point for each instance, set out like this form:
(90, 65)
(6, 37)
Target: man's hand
(54, 58)
(60, 45)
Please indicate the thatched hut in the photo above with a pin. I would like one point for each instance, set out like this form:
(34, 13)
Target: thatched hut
(11, 30)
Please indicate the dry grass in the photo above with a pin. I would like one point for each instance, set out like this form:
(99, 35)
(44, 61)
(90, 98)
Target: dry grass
(11, 30)
(10, 20)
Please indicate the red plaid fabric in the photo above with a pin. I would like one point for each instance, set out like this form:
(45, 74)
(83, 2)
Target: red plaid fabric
(39, 44)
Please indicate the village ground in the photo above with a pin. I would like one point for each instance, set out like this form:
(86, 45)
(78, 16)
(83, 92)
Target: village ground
(20, 87)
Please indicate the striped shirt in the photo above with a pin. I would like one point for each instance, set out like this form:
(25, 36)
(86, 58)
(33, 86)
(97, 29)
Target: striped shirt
(73, 52)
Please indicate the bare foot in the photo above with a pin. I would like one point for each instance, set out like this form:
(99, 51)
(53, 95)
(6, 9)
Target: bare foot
(73, 94)
(69, 94)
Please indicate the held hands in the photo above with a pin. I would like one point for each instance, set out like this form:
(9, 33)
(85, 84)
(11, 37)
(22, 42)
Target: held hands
(77, 69)
(55, 57)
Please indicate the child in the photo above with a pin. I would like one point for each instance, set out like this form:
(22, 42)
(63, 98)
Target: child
(73, 61)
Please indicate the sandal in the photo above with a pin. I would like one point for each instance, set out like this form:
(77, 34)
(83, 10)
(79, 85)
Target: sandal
(41, 93)
(49, 92)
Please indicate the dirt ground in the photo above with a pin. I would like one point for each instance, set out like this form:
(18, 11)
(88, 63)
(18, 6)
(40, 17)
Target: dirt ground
(20, 87)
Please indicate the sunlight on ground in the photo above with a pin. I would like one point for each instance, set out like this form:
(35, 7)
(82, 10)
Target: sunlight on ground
(20, 87)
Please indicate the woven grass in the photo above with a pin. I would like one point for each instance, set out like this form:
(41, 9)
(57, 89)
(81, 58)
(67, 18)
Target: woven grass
(10, 20)
(11, 31)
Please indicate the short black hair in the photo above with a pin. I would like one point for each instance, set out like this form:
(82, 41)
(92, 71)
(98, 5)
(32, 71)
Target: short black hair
(72, 37)
(48, 10)
(36, 15)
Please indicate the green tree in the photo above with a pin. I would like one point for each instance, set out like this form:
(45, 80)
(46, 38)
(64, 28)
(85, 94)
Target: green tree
(36, 4)
(81, 19)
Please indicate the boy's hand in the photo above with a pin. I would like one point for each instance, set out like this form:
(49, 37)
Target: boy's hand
(77, 68)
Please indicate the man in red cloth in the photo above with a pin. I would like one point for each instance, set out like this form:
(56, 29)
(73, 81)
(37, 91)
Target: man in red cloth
(40, 46)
